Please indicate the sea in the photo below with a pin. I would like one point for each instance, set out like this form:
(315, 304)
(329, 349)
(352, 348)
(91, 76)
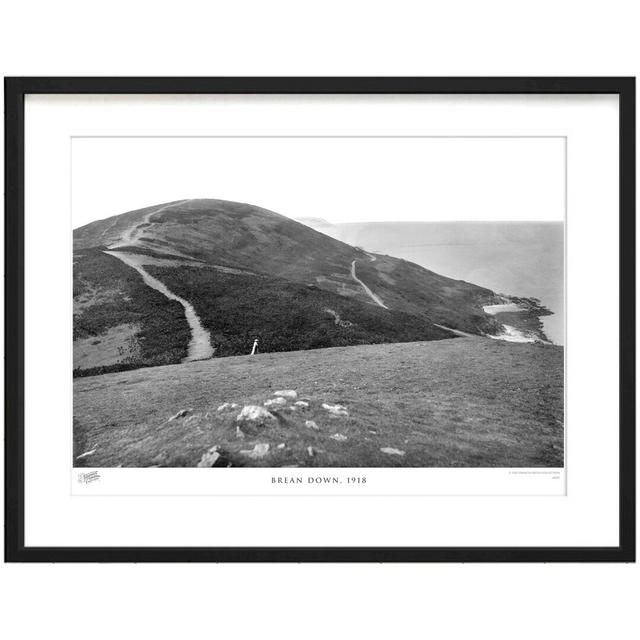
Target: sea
(524, 259)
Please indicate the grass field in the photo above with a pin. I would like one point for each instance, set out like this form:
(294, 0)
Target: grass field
(462, 402)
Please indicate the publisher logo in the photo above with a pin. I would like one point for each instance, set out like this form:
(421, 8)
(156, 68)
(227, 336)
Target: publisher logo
(87, 478)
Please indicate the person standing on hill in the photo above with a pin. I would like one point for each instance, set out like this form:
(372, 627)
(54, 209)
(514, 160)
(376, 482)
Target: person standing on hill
(255, 346)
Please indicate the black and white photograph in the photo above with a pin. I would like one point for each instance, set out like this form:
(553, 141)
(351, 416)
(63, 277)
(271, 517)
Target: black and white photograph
(321, 301)
(321, 319)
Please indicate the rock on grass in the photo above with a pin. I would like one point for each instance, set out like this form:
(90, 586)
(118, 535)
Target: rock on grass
(213, 458)
(259, 451)
(227, 405)
(286, 393)
(181, 414)
(87, 453)
(275, 402)
(335, 409)
(391, 451)
(255, 414)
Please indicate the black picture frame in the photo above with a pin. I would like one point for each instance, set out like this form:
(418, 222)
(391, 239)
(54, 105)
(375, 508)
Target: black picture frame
(15, 91)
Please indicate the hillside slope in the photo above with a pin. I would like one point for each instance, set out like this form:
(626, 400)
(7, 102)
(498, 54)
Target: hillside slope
(248, 273)
(461, 402)
(519, 258)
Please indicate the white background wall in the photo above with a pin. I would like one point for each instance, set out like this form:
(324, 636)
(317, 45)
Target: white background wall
(329, 38)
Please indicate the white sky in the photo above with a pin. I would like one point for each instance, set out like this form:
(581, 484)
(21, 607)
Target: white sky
(339, 179)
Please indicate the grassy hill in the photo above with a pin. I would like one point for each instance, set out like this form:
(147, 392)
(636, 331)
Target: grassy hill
(286, 315)
(108, 298)
(249, 273)
(462, 402)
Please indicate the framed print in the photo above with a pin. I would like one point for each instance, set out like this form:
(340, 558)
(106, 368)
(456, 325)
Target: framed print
(320, 319)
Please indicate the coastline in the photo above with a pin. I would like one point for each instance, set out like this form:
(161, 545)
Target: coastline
(508, 257)
(520, 319)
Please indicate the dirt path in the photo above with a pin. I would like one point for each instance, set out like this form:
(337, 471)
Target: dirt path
(200, 346)
(131, 237)
(373, 296)
(462, 334)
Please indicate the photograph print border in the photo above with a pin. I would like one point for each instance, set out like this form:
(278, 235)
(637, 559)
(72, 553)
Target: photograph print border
(15, 91)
